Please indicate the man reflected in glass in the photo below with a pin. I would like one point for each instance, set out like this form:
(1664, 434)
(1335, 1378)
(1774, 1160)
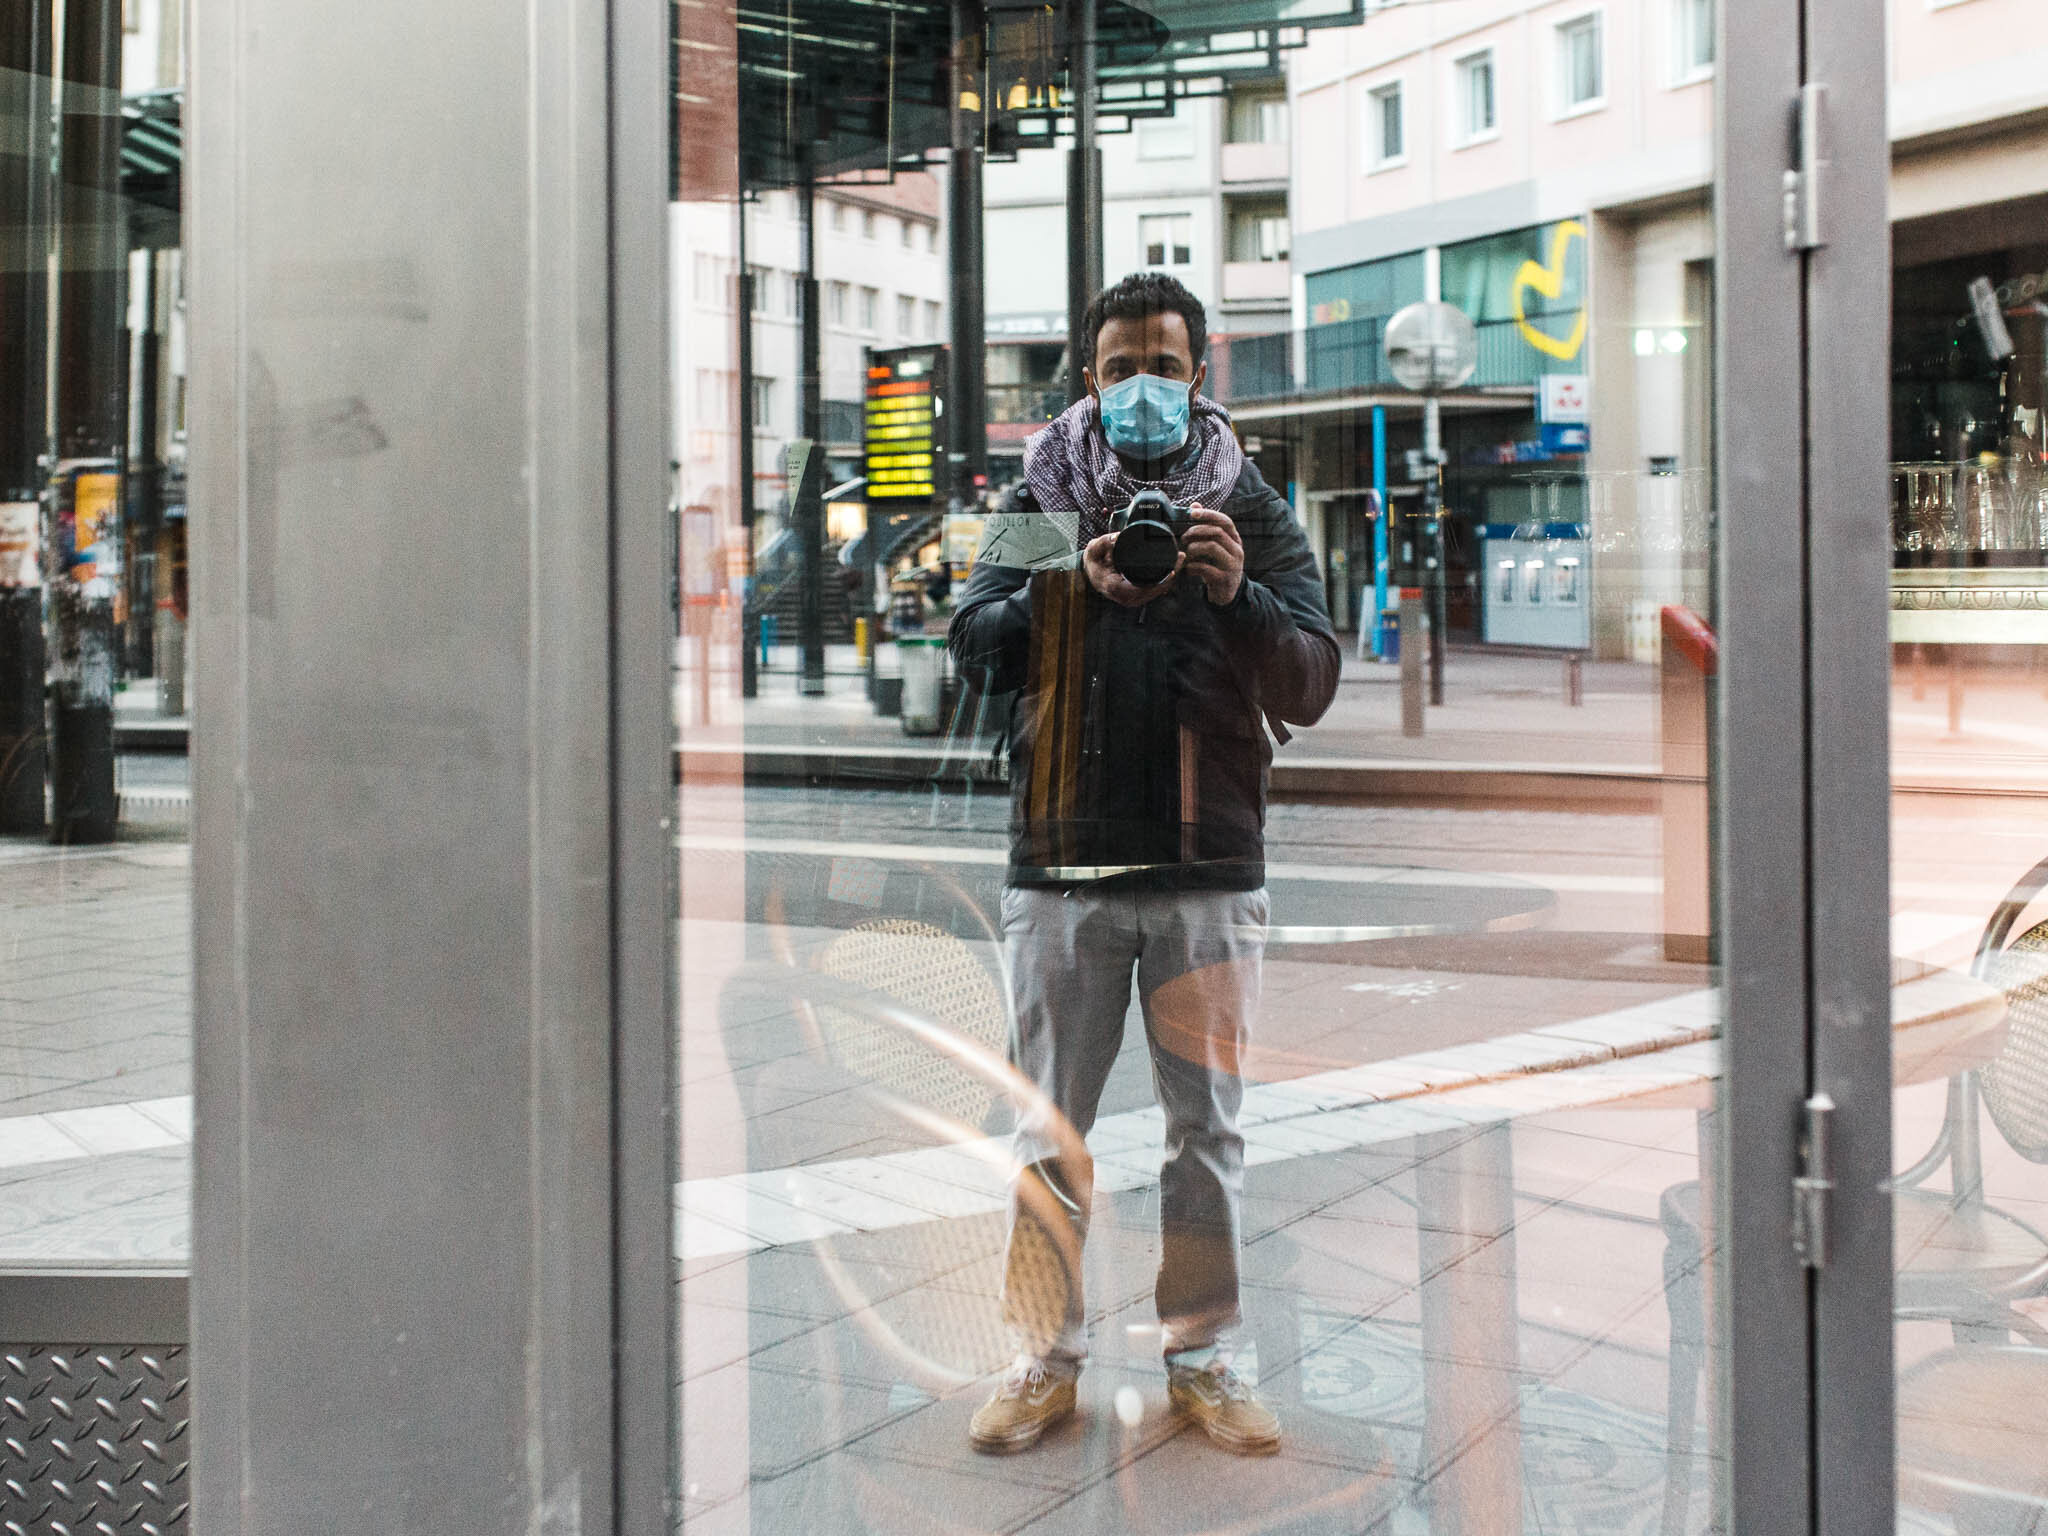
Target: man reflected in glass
(1152, 640)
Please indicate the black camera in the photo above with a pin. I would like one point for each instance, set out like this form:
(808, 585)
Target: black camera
(1147, 538)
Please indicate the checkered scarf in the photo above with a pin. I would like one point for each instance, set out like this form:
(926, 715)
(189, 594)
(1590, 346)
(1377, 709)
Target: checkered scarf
(1078, 480)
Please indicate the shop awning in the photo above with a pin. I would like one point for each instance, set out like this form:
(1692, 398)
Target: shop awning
(152, 165)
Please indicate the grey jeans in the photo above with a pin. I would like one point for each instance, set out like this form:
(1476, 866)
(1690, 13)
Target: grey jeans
(1197, 957)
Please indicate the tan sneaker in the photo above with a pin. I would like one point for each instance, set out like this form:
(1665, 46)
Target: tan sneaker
(1030, 1400)
(1227, 1409)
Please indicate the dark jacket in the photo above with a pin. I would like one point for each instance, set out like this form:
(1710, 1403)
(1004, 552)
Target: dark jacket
(1138, 743)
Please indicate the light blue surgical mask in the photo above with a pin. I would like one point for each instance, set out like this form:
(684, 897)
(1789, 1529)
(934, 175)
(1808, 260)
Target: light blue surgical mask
(1145, 416)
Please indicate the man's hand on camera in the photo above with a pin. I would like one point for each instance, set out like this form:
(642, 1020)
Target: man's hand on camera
(1214, 553)
(1113, 584)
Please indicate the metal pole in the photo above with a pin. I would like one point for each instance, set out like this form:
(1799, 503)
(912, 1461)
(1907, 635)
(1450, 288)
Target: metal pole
(24, 408)
(146, 479)
(750, 621)
(1382, 511)
(967, 409)
(1084, 192)
(810, 508)
(87, 492)
(1433, 536)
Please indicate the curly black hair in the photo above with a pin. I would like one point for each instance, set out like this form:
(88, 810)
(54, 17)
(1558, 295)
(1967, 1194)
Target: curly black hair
(1137, 296)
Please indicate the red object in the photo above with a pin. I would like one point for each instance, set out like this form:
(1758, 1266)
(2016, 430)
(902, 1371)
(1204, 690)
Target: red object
(1693, 637)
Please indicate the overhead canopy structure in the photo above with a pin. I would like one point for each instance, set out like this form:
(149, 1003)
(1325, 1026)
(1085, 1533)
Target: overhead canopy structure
(152, 165)
(832, 88)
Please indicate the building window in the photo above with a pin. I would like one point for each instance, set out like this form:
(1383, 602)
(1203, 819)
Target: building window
(1692, 30)
(1476, 119)
(1258, 231)
(931, 238)
(764, 404)
(708, 284)
(1257, 117)
(1166, 138)
(714, 391)
(763, 277)
(907, 229)
(835, 303)
(867, 224)
(931, 319)
(871, 309)
(839, 216)
(1581, 82)
(1386, 140)
(1166, 239)
(906, 315)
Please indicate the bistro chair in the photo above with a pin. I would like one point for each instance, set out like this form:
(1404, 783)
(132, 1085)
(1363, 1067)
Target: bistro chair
(1958, 1259)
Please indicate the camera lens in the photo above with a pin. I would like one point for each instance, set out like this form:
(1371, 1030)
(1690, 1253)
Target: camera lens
(1144, 553)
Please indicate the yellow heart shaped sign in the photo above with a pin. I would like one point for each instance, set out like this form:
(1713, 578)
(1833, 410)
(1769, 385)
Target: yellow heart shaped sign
(1549, 281)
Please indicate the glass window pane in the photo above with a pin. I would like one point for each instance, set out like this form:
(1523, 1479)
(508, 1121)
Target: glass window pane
(1120, 1005)
(1969, 529)
(95, 731)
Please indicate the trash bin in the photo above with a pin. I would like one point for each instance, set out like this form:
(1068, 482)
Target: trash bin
(923, 660)
(1390, 634)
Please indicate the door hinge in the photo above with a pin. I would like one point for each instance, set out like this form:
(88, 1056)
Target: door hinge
(1814, 1184)
(1802, 182)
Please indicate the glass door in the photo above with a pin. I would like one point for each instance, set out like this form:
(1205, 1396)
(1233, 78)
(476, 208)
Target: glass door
(1968, 715)
(1221, 988)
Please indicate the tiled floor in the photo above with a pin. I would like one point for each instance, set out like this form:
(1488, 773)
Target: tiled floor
(1497, 1362)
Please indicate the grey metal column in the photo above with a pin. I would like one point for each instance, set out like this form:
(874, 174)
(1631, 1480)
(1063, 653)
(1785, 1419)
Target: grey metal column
(431, 1247)
(1084, 190)
(967, 407)
(1761, 767)
(1848, 551)
(88, 382)
(24, 404)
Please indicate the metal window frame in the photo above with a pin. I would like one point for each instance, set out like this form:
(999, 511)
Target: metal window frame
(1848, 557)
(1763, 784)
(1804, 786)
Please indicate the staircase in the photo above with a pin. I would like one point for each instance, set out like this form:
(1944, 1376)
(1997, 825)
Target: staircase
(785, 602)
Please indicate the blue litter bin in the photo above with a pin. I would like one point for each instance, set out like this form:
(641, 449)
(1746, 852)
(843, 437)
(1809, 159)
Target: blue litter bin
(1390, 634)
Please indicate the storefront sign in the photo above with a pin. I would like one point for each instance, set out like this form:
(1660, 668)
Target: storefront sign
(1563, 398)
(899, 430)
(1561, 438)
(1548, 280)
(1050, 324)
(21, 528)
(86, 519)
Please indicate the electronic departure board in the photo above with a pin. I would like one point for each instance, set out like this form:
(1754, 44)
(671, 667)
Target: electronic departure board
(902, 436)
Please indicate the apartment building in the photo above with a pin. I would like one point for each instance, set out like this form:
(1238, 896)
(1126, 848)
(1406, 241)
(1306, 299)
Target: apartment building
(1546, 166)
(1201, 194)
(882, 282)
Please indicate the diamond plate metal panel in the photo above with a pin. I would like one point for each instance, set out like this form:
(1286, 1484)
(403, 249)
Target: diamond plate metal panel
(93, 1441)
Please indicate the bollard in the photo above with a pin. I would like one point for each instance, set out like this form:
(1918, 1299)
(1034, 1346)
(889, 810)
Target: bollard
(1413, 655)
(1574, 682)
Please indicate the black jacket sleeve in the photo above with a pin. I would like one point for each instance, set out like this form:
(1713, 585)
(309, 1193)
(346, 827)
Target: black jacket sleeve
(990, 634)
(1279, 615)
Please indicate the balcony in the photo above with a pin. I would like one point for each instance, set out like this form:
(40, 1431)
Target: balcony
(1015, 411)
(1254, 162)
(1243, 280)
(1350, 356)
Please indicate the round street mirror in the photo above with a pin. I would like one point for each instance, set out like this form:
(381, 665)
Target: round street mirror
(1432, 347)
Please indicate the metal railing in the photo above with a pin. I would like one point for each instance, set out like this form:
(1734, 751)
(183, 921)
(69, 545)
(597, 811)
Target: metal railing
(1351, 355)
(1028, 403)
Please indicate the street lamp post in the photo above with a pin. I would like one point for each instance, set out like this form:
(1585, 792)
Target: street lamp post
(1432, 347)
